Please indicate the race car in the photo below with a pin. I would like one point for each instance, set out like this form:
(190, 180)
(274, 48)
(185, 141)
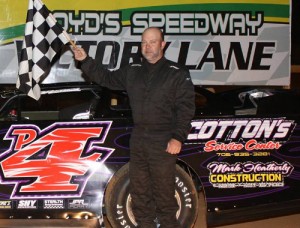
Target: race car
(66, 156)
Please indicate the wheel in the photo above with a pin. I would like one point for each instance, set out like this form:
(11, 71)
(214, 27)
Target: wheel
(117, 199)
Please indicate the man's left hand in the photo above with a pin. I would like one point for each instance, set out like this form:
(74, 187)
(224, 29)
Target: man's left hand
(174, 146)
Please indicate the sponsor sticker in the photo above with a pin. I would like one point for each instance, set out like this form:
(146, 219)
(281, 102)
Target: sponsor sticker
(54, 204)
(47, 160)
(238, 137)
(78, 204)
(248, 174)
(5, 204)
(27, 204)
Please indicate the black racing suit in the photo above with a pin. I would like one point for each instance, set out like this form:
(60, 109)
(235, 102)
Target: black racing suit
(162, 100)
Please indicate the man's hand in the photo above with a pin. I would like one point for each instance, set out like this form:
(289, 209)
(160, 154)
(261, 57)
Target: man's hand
(79, 53)
(174, 146)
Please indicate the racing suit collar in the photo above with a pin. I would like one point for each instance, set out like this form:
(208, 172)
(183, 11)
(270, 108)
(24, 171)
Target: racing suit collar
(151, 67)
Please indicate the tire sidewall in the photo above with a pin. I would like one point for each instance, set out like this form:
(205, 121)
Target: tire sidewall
(118, 205)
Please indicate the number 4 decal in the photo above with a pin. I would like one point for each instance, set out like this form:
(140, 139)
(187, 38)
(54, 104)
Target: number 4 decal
(55, 161)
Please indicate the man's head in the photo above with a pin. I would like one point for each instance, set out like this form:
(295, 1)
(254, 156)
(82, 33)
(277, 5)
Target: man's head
(152, 44)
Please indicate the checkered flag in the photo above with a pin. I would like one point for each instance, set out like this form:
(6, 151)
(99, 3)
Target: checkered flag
(43, 39)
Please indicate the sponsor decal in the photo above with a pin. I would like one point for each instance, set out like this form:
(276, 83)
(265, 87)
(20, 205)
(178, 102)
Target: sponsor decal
(5, 204)
(252, 144)
(248, 174)
(244, 154)
(78, 204)
(54, 204)
(55, 161)
(27, 204)
(233, 135)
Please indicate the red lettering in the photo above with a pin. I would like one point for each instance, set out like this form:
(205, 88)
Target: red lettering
(49, 163)
(24, 136)
(214, 146)
(254, 145)
(63, 160)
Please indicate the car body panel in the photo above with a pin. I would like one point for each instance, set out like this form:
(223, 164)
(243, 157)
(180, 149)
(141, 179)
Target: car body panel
(241, 152)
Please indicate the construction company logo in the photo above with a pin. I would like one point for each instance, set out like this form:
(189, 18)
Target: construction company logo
(5, 204)
(78, 204)
(241, 134)
(27, 204)
(248, 174)
(54, 162)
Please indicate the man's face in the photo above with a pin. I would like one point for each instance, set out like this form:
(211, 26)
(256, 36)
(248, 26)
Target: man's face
(152, 45)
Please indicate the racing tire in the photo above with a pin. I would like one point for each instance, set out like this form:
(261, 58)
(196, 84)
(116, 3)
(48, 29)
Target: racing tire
(117, 199)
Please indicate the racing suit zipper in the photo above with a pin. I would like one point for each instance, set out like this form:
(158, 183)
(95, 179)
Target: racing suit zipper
(148, 79)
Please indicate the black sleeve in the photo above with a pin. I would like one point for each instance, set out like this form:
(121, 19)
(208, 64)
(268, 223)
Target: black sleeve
(96, 73)
(184, 107)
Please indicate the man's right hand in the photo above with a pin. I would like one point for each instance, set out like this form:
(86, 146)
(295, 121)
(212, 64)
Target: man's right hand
(79, 53)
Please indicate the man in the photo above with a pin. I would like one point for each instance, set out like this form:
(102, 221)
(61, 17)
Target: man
(161, 96)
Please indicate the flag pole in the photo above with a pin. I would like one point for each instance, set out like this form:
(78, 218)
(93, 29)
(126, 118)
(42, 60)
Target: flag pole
(73, 44)
(70, 40)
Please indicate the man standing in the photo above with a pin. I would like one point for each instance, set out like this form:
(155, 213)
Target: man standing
(161, 96)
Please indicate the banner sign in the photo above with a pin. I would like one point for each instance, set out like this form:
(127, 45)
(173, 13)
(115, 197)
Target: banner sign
(226, 42)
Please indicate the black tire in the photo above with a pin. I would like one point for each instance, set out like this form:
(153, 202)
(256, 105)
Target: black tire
(117, 199)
